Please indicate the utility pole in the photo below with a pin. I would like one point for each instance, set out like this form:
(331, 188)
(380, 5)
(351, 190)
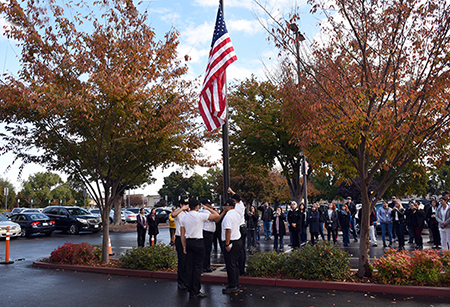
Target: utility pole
(299, 38)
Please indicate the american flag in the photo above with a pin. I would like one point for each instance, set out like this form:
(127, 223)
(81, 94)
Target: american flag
(213, 100)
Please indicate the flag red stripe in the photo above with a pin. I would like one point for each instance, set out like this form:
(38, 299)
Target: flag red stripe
(212, 104)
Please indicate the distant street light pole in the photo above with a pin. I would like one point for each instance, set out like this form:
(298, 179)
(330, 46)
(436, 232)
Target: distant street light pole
(299, 38)
(6, 191)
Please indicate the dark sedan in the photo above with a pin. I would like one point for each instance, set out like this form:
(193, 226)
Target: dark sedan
(73, 219)
(162, 215)
(34, 223)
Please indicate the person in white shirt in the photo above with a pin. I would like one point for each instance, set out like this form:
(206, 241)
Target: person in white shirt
(177, 216)
(209, 227)
(443, 219)
(231, 237)
(191, 234)
(240, 209)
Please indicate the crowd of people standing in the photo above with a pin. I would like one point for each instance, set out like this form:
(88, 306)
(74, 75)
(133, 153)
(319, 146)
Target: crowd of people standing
(236, 227)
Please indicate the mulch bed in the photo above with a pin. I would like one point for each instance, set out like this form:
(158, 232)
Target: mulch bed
(353, 278)
(113, 263)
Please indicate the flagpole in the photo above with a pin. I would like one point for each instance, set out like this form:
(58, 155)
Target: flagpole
(225, 141)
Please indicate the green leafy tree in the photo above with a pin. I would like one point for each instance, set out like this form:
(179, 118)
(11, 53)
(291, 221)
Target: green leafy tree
(175, 186)
(198, 187)
(62, 194)
(105, 102)
(39, 188)
(214, 180)
(11, 198)
(78, 192)
(413, 180)
(439, 179)
(325, 185)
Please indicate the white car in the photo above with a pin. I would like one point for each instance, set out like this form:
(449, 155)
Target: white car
(96, 212)
(130, 217)
(14, 228)
(38, 210)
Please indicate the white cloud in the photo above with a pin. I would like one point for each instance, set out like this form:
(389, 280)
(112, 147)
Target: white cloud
(194, 53)
(228, 3)
(199, 34)
(239, 72)
(246, 26)
(172, 18)
(271, 5)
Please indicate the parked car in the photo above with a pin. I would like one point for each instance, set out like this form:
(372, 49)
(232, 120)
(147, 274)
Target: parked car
(130, 217)
(162, 215)
(37, 210)
(31, 223)
(14, 228)
(111, 216)
(73, 219)
(134, 210)
(14, 211)
(96, 212)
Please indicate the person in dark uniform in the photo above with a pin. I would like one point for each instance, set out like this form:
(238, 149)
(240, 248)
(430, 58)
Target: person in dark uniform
(209, 227)
(141, 224)
(240, 209)
(152, 226)
(331, 222)
(251, 218)
(278, 230)
(295, 221)
(352, 208)
(191, 233)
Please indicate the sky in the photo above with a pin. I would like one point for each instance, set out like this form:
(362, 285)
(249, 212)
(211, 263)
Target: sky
(194, 20)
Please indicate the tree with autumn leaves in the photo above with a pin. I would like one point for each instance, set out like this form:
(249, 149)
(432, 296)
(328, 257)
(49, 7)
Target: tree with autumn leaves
(258, 134)
(373, 94)
(97, 95)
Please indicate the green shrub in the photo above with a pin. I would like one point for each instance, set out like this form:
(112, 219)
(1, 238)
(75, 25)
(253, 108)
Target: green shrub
(266, 264)
(324, 261)
(153, 258)
(71, 253)
(321, 262)
(98, 251)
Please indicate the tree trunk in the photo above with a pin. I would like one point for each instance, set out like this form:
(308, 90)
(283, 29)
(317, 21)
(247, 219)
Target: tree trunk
(117, 212)
(364, 246)
(105, 245)
(295, 188)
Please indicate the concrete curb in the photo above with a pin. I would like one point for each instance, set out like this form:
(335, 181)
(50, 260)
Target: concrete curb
(292, 283)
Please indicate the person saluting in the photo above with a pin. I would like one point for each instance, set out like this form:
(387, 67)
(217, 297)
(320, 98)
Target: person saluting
(193, 246)
(231, 237)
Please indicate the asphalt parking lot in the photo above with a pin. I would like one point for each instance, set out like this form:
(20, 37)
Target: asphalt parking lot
(40, 246)
(24, 285)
